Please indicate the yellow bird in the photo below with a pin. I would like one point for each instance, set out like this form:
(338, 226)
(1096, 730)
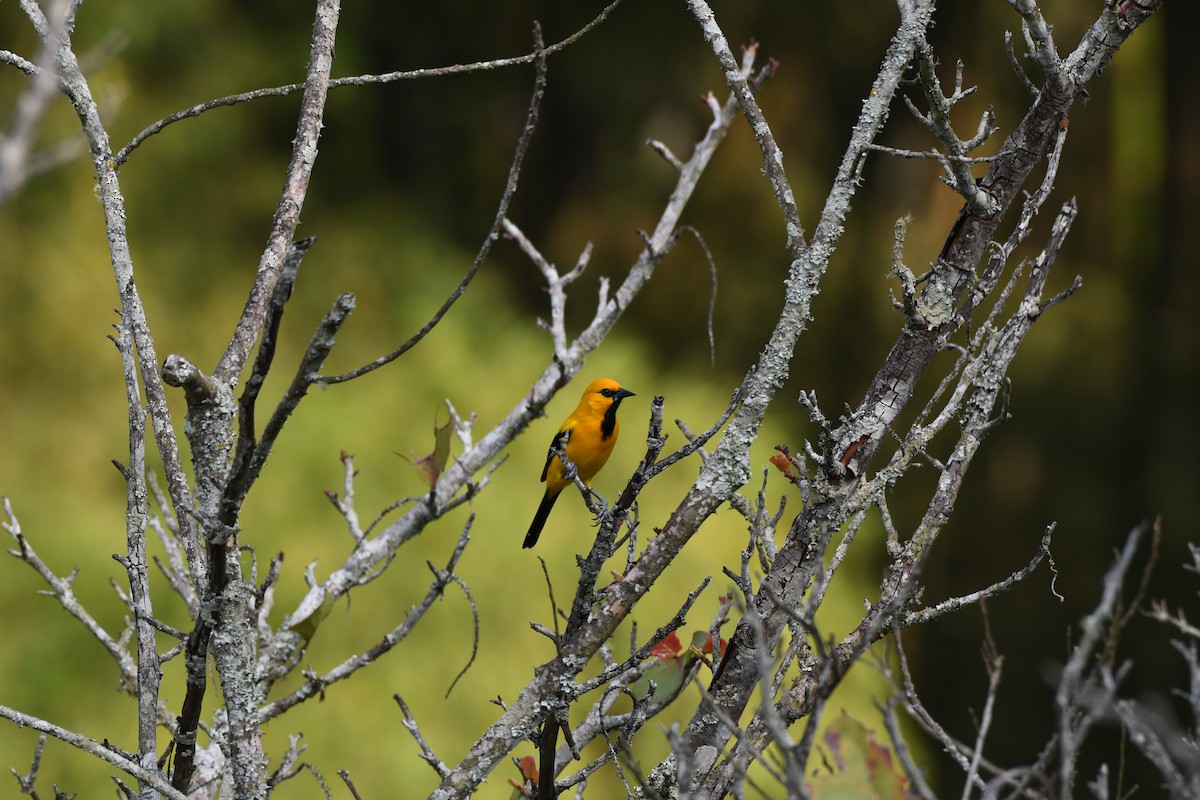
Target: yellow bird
(587, 436)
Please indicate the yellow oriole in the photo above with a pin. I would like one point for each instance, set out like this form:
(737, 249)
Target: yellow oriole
(587, 437)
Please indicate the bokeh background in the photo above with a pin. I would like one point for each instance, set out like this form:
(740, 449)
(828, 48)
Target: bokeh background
(1102, 434)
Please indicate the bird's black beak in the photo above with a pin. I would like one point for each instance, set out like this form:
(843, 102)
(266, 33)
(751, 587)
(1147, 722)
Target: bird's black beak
(623, 393)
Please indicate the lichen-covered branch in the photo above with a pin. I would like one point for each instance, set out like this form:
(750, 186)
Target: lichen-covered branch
(101, 750)
(836, 497)
(728, 467)
(135, 561)
(859, 438)
(75, 86)
(287, 215)
(227, 619)
(456, 482)
(510, 189)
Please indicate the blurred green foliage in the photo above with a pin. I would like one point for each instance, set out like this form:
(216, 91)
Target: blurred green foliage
(405, 187)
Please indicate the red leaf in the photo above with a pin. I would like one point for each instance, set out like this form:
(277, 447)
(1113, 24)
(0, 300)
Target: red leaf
(707, 648)
(668, 647)
(529, 769)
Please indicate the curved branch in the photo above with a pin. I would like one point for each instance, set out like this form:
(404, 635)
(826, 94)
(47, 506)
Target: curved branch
(358, 80)
(510, 189)
(104, 752)
(315, 685)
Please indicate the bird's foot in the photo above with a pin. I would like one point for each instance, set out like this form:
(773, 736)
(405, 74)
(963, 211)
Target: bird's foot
(599, 507)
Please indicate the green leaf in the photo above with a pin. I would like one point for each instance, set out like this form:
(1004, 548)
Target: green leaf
(859, 768)
(667, 676)
(314, 608)
(430, 467)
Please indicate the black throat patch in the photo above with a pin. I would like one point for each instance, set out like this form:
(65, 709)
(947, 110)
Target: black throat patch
(609, 423)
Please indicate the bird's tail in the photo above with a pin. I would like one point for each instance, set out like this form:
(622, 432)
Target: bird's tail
(539, 520)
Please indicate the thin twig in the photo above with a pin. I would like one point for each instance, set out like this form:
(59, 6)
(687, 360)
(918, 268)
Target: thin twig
(61, 589)
(100, 750)
(255, 456)
(712, 297)
(345, 776)
(149, 672)
(427, 754)
(316, 685)
(955, 603)
(247, 441)
(510, 189)
(359, 80)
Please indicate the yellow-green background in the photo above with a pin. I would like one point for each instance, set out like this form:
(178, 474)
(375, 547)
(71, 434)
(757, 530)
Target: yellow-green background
(403, 192)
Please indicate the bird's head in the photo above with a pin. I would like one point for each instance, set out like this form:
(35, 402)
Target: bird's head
(605, 392)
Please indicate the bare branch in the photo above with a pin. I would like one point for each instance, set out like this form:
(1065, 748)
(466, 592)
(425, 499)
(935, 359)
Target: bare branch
(857, 441)
(104, 752)
(289, 763)
(1072, 727)
(510, 189)
(315, 685)
(1043, 51)
(1016, 65)
(958, 172)
(16, 163)
(76, 87)
(61, 589)
(287, 215)
(29, 779)
(360, 80)
(956, 603)
(737, 76)
(995, 665)
(453, 480)
(247, 469)
(931, 154)
(556, 284)
(345, 776)
(210, 417)
(728, 468)
(266, 354)
(167, 531)
(149, 673)
(410, 724)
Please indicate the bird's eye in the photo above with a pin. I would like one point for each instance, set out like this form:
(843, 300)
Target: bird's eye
(607, 392)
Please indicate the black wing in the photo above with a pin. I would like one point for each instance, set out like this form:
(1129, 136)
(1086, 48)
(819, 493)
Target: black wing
(559, 441)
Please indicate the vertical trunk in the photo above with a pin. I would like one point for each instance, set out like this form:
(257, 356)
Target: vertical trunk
(234, 653)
